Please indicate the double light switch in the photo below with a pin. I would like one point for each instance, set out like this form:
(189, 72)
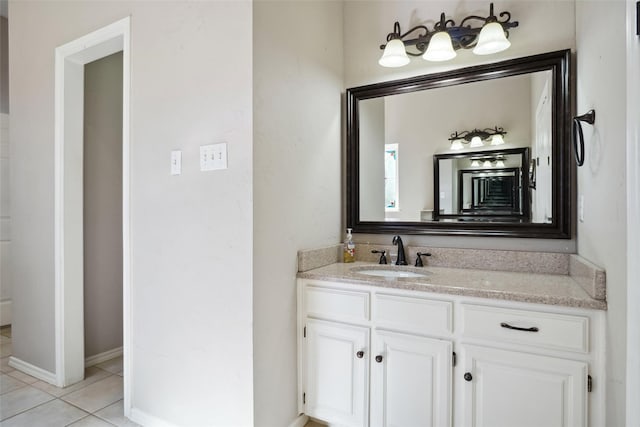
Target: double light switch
(213, 157)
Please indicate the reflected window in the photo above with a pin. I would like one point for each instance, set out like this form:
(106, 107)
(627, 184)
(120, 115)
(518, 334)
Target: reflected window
(391, 177)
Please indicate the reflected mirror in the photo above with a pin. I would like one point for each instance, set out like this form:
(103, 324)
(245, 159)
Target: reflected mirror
(481, 186)
(410, 169)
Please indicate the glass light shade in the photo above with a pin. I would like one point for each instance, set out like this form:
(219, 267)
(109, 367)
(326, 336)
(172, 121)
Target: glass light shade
(394, 55)
(475, 163)
(491, 40)
(440, 48)
(486, 164)
(476, 142)
(497, 139)
(456, 145)
(500, 164)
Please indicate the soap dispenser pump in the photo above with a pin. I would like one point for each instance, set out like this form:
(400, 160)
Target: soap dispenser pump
(349, 248)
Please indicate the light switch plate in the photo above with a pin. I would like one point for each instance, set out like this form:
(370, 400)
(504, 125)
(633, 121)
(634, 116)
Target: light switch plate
(176, 162)
(213, 157)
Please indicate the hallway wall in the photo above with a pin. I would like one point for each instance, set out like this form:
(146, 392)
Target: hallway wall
(191, 242)
(103, 205)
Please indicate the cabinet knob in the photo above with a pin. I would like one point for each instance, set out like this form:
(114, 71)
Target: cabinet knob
(360, 354)
(378, 358)
(468, 376)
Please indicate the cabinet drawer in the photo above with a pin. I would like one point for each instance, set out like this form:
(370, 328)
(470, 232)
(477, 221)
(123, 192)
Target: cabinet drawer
(336, 304)
(548, 330)
(413, 314)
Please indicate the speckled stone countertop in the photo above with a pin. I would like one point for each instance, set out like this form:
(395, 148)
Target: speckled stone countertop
(554, 289)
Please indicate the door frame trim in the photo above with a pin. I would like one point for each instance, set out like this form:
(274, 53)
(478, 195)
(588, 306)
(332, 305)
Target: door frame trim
(70, 59)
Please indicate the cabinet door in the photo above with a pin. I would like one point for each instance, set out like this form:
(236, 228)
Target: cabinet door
(509, 388)
(337, 361)
(410, 381)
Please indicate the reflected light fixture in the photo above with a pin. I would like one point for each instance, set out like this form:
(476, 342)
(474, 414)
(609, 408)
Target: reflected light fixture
(476, 142)
(486, 164)
(476, 137)
(440, 44)
(475, 163)
(457, 145)
(497, 139)
(499, 163)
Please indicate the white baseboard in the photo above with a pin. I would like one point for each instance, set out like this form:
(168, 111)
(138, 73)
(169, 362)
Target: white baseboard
(33, 370)
(5, 312)
(300, 421)
(102, 357)
(144, 419)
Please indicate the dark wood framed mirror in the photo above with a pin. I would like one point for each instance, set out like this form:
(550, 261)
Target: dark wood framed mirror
(397, 130)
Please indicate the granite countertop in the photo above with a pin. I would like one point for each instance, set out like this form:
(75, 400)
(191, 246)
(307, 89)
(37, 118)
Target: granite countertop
(553, 289)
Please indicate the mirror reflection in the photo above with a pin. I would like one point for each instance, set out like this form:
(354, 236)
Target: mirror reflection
(401, 135)
(485, 185)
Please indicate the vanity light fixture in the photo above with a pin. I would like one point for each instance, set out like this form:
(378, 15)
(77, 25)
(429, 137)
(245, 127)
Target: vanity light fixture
(487, 162)
(441, 43)
(475, 138)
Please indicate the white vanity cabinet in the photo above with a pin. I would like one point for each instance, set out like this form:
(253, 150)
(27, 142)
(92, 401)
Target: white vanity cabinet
(509, 388)
(337, 372)
(526, 368)
(376, 356)
(410, 380)
(367, 359)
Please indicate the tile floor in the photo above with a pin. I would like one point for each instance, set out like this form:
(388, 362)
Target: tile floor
(28, 402)
(94, 402)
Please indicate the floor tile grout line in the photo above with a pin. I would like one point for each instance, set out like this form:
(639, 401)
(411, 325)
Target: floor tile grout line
(91, 415)
(71, 391)
(98, 410)
(76, 406)
(7, 374)
(27, 410)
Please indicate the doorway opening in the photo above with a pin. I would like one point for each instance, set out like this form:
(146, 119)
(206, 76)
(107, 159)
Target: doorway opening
(71, 61)
(102, 209)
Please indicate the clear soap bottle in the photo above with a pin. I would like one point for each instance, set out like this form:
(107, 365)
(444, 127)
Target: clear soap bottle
(349, 248)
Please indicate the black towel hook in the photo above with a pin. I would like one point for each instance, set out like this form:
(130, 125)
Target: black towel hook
(578, 137)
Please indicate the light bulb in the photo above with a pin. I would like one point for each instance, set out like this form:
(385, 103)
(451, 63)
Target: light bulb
(394, 55)
(440, 48)
(500, 164)
(491, 40)
(476, 142)
(457, 145)
(486, 164)
(475, 163)
(497, 139)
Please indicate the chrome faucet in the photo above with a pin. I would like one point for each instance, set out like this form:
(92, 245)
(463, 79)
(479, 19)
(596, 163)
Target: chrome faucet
(401, 259)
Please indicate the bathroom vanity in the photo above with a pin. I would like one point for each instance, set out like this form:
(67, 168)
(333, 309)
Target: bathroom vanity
(448, 347)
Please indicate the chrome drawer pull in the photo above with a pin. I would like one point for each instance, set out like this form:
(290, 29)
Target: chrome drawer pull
(508, 326)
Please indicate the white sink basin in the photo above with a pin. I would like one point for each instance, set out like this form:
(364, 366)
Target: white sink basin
(390, 272)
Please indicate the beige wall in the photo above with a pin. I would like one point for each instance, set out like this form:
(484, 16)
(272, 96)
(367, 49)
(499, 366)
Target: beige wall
(372, 140)
(368, 22)
(4, 65)
(102, 198)
(601, 85)
(191, 242)
(297, 191)
(633, 225)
